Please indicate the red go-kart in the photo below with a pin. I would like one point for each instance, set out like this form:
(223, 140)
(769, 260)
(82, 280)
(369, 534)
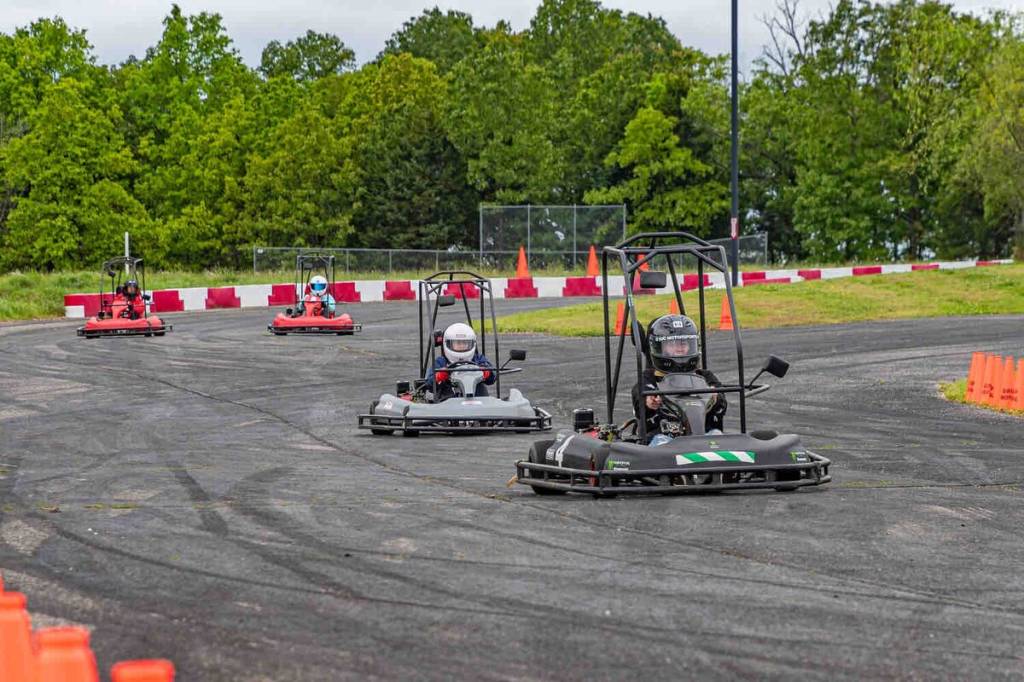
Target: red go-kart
(124, 307)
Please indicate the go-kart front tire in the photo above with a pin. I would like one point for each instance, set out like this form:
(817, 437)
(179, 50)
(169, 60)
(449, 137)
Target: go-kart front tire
(382, 432)
(537, 454)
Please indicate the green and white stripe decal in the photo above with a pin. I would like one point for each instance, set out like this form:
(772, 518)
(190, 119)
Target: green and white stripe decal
(716, 456)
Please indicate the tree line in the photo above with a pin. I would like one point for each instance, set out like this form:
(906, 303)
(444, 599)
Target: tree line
(889, 131)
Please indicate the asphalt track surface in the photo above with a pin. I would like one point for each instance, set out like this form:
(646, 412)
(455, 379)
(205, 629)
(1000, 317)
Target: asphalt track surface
(206, 497)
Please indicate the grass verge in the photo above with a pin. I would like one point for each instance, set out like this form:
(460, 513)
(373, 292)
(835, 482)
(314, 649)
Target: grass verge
(997, 290)
(956, 391)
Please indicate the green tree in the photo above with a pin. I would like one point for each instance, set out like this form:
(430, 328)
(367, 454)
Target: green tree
(667, 186)
(68, 173)
(443, 38)
(307, 58)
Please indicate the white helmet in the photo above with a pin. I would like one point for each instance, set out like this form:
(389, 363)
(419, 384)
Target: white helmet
(459, 342)
(318, 285)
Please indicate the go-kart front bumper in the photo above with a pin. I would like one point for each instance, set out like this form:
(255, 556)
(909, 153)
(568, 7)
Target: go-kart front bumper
(676, 480)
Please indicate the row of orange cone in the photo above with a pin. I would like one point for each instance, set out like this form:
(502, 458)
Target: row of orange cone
(593, 269)
(59, 654)
(996, 381)
(724, 320)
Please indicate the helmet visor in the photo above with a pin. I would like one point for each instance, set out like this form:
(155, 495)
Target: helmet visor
(674, 346)
(460, 345)
(318, 287)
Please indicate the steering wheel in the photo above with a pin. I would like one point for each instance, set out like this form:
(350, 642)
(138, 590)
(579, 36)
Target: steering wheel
(672, 410)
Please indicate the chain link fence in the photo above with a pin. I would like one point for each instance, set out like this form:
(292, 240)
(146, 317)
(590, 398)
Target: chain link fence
(370, 262)
(552, 236)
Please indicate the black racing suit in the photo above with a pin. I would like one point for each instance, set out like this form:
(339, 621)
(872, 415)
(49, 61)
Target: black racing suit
(715, 415)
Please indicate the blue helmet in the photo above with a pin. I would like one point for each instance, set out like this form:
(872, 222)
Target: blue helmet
(318, 285)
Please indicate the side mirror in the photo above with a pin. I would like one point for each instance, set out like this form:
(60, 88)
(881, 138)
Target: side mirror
(445, 300)
(110, 273)
(517, 355)
(145, 297)
(438, 337)
(775, 366)
(652, 279)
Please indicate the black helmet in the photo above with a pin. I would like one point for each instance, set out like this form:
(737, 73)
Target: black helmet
(673, 343)
(131, 287)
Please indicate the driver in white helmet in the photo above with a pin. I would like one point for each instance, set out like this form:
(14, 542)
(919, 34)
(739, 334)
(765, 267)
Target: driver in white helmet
(458, 347)
(318, 294)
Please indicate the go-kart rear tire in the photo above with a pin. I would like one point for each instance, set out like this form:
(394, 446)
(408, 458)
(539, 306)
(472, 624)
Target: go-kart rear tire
(411, 434)
(382, 432)
(537, 453)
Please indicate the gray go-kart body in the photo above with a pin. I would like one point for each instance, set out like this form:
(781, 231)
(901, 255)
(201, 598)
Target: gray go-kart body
(608, 459)
(463, 412)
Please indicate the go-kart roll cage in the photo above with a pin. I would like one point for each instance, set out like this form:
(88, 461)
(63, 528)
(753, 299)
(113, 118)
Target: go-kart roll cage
(630, 255)
(431, 289)
(112, 269)
(308, 263)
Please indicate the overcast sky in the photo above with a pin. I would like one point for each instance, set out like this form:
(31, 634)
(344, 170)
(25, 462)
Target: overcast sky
(119, 28)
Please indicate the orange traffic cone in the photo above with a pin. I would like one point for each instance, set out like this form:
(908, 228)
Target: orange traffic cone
(725, 319)
(974, 376)
(593, 269)
(1008, 396)
(988, 382)
(998, 383)
(63, 655)
(646, 265)
(620, 320)
(522, 268)
(673, 307)
(155, 670)
(1019, 401)
(15, 644)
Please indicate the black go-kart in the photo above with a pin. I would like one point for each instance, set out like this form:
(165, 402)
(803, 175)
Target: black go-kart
(608, 459)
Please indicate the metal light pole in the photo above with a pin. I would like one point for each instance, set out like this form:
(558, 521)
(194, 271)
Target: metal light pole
(734, 222)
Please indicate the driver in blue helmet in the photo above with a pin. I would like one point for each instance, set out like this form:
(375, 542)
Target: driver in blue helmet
(673, 345)
(318, 293)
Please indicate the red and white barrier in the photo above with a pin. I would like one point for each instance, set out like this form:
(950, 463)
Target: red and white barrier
(372, 291)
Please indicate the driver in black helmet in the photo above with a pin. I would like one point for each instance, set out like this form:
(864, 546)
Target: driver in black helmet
(130, 291)
(673, 345)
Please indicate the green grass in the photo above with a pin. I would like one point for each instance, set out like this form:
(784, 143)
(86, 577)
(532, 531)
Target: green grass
(997, 290)
(956, 391)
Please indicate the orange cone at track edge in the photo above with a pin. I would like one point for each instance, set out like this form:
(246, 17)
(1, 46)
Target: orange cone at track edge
(998, 376)
(673, 307)
(985, 397)
(522, 268)
(725, 319)
(646, 265)
(1008, 395)
(593, 269)
(16, 663)
(1019, 401)
(63, 655)
(974, 376)
(620, 320)
(155, 670)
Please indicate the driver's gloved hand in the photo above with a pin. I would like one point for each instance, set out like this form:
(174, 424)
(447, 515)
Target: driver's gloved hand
(440, 377)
